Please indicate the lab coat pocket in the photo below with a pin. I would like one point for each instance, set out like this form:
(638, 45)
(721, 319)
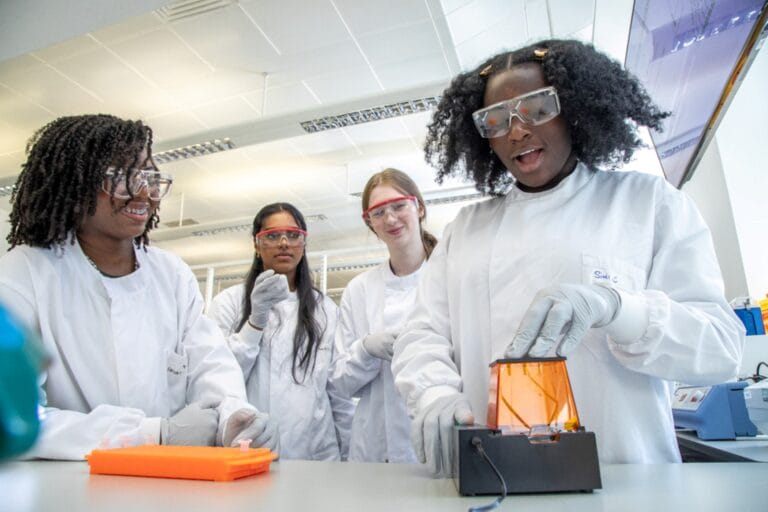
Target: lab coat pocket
(177, 365)
(616, 273)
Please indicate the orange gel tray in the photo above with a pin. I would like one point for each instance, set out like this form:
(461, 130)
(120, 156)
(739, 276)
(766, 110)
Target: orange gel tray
(190, 462)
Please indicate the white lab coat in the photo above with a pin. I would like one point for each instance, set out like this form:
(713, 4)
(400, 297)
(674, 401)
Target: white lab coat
(633, 230)
(374, 301)
(314, 420)
(126, 351)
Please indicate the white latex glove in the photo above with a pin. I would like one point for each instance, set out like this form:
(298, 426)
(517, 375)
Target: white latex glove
(268, 289)
(560, 316)
(380, 344)
(194, 425)
(253, 425)
(432, 432)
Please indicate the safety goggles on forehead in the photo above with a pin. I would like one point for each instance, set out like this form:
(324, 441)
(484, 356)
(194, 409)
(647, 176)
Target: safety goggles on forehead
(396, 205)
(534, 108)
(122, 184)
(273, 237)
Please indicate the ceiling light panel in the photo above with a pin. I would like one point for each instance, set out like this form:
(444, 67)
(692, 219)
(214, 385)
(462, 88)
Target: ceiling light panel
(402, 108)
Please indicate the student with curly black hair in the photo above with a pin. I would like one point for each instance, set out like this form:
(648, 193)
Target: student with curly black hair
(134, 359)
(616, 270)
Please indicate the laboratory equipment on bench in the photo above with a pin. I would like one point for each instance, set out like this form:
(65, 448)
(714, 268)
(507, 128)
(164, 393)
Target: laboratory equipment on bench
(714, 412)
(756, 400)
(533, 436)
(188, 462)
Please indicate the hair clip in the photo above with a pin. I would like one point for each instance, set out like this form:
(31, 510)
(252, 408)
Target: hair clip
(540, 53)
(486, 70)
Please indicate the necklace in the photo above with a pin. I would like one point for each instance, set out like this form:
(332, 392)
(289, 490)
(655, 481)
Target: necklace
(93, 264)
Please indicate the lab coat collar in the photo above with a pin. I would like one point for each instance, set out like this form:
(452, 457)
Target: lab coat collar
(566, 188)
(393, 281)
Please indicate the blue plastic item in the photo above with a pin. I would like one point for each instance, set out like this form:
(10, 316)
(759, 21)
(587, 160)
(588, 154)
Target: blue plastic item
(714, 412)
(752, 318)
(21, 360)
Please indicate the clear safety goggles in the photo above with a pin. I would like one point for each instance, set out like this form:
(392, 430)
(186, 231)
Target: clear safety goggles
(534, 108)
(121, 184)
(294, 237)
(397, 206)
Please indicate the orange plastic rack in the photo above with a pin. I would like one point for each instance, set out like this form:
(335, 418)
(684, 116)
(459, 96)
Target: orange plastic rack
(190, 462)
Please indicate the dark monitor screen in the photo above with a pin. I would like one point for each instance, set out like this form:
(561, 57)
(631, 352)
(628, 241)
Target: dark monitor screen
(685, 53)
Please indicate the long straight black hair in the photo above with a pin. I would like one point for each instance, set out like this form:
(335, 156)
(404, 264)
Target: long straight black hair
(309, 332)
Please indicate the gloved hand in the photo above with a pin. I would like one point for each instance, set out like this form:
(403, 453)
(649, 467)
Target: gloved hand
(380, 344)
(253, 425)
(268, 289)
(194, 425)
(567, 312)
(432, 432)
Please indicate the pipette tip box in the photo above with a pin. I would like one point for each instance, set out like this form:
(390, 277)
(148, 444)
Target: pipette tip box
(186, 462)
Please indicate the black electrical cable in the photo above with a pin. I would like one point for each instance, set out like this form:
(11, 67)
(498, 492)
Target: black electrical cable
(759, 376)
(478, 444)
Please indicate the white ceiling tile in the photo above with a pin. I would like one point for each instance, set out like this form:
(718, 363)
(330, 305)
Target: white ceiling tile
(68, 48)
(125, 93)
(357, 82)
(22, 114)
(401, 43)
(318, 61)
(279, 150)
(174, 125)
(474, 18)
(18, 65)
(495, 39)
(161, 57)
(296, 25)
(363, 17)
(223, 113)
(537, 20)
(284, 99)
(128, 28)
(51, 90)
(219, 84)
(570, 16)
(13, 138)
(227, 39)
(410, 73)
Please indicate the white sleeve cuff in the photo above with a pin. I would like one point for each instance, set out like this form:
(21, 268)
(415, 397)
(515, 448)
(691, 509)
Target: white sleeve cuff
(631, 322)
(149, 429)
(251, 335)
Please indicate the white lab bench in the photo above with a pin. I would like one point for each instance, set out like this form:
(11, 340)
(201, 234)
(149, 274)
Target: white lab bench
(743, 449)
(341, 486)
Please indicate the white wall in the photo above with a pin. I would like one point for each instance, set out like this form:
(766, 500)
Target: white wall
(710, 192)
(743, 142)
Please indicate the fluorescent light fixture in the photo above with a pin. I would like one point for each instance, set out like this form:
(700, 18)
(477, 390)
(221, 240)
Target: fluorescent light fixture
(224, 229)
(204, 148)
(402, 108)
(183, 9)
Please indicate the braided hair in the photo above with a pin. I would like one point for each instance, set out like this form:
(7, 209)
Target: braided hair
(64, 171)
(600, 102)
(308, 333)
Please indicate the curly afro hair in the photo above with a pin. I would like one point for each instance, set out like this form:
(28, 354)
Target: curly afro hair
(598, 99)
(65, 168)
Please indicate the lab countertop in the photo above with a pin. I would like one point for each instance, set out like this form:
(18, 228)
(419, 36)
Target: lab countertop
(741, 449)
(337, 486)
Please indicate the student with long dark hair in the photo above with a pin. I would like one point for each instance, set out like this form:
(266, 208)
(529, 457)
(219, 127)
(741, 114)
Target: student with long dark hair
(280, 328)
